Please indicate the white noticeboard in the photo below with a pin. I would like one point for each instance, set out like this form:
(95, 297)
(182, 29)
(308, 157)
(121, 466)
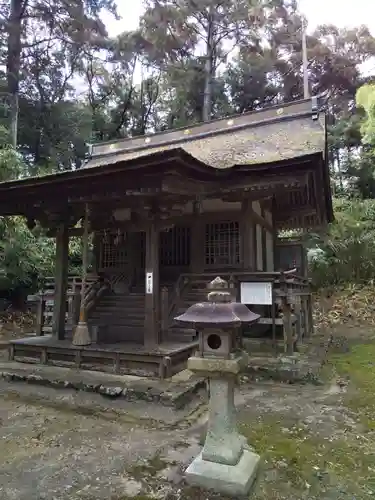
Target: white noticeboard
(149, 283)
(256, 293)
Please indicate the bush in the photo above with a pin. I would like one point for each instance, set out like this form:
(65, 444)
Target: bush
(346, 252)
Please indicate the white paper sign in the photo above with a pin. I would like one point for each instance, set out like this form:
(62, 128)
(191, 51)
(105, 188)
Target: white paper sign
(256, 293)
(149, 283)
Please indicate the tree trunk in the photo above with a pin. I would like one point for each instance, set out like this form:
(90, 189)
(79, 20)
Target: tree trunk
(208, 69)
(339, 171)
(13, 63)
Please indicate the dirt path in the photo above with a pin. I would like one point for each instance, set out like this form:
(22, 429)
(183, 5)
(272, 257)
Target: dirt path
(316, 442)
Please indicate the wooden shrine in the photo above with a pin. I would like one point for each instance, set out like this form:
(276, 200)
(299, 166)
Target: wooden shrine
(167, 213)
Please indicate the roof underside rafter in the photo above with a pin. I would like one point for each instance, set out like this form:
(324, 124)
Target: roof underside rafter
(279, 153)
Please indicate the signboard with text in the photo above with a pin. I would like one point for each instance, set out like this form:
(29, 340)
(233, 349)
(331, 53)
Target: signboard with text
(256, 293)
(149, 283)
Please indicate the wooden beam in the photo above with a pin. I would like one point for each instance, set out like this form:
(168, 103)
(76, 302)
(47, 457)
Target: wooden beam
(152, 316)
(258, 219)
(197, 242)
(258, 195)
(73, 231)
(247, 236)
(178, 184)
(263, 184)
(287, 214)
(61, 281)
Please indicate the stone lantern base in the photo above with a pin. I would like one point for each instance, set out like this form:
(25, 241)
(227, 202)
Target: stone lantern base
(228, 479)
(226, 463)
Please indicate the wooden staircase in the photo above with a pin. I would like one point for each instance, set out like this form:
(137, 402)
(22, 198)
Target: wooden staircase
(119, 317)
(189, 296)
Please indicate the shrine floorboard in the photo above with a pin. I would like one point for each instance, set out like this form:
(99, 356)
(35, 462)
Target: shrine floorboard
(163, 361)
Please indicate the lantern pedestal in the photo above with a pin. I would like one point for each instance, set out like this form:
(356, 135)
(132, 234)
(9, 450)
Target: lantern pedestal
(226, 464)
(228, 479)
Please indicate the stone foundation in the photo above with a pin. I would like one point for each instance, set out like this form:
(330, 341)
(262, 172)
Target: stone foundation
(167, 393)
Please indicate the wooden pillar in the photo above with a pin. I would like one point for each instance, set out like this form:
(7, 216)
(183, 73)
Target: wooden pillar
(133, 257)
(96, 253)
(287, 318)
(61, 281)
(152, 295)
(247, 236)
(197, 245)
(164, 311)
(40, 315)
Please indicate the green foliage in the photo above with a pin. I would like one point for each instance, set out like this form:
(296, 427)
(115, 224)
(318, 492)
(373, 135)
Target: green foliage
(358, 367)
(346, 252)
(25, 258)
(11, 162)
(366, 99)
(28, 257)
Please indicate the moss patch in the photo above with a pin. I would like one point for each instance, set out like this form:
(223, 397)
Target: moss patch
(149, 468)
(310, 463)
(358, 368)
(293, 457)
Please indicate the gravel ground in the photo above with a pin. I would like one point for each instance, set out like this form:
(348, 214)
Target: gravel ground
(314, 444)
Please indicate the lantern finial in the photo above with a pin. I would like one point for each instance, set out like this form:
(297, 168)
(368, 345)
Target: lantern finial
(219, 291)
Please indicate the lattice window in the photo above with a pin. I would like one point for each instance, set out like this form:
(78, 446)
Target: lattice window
(175, 247)
(222, 245)
(114, 252)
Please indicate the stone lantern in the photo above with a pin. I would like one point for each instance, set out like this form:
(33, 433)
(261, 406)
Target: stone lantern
(226, 463)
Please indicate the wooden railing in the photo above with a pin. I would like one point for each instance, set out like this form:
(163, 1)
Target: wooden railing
(170, 301)
(96, 287)
(44, 301)
(291, 300)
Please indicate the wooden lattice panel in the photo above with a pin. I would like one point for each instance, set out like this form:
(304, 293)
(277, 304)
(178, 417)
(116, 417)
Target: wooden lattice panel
(140, 249)
(175, 247)
(222, 244)
(113, 251)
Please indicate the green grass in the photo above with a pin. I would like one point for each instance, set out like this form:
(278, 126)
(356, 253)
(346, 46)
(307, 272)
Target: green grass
(306, 461)
(358, 367)
(310, 462)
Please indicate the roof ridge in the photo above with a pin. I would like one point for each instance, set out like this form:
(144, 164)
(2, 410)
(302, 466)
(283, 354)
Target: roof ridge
(204, 130)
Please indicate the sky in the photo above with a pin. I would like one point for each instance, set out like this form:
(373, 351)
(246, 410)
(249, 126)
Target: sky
(342, 13)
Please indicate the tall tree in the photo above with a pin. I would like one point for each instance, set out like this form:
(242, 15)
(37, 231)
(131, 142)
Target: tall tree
(186, 28)
(41, 24)
(16, 14)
